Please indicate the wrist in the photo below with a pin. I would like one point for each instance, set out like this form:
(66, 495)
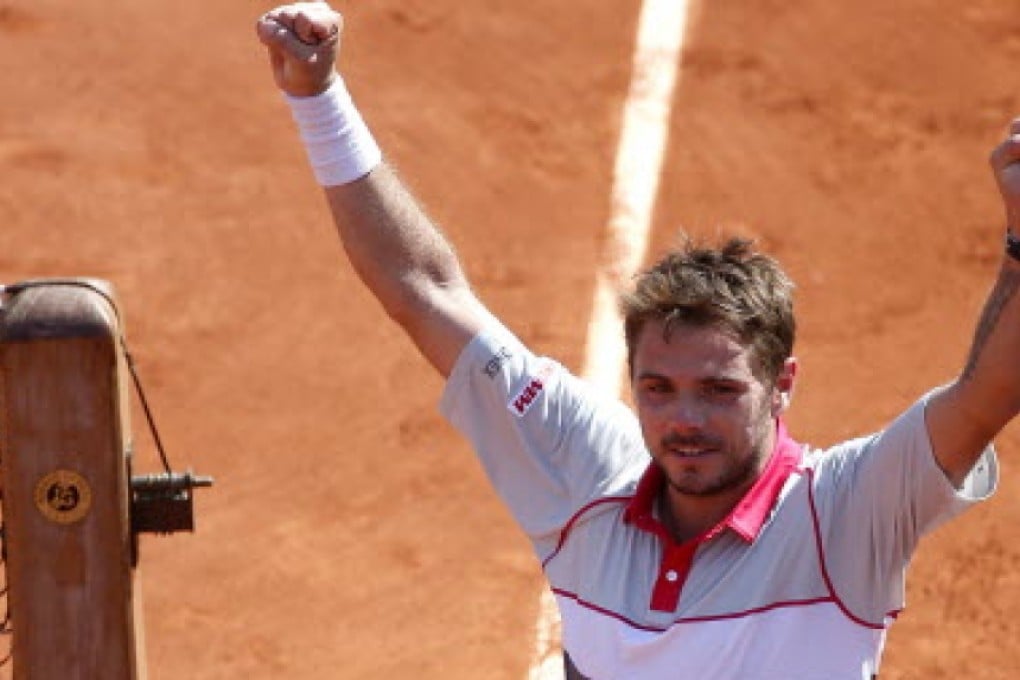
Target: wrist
(339, 145)
(308, 88)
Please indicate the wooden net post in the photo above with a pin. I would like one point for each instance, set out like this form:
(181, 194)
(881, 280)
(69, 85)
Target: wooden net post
(64, 461)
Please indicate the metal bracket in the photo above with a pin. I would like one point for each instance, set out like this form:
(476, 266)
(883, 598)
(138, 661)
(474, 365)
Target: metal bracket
(162, 503)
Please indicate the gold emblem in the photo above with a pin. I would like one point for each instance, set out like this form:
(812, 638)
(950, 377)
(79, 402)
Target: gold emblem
(63, 497)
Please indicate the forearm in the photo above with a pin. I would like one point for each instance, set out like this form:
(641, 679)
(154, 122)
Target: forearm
(991, 377)
(392, 245)
(395, 249)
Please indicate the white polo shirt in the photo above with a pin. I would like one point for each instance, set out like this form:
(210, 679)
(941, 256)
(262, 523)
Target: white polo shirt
(800, 582)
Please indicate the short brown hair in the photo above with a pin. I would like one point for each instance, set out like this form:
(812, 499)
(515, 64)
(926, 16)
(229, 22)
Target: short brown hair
(733, 287)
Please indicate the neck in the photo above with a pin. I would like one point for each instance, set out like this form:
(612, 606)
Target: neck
(687, 516)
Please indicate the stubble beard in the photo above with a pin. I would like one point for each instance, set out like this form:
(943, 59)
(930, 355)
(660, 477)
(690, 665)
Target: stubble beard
(738, 471)
(733, 476)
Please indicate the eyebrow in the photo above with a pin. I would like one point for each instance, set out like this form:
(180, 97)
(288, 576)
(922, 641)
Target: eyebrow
(651, 375)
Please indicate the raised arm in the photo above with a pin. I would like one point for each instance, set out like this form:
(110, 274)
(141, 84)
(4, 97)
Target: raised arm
(396, 250)
(963, 418)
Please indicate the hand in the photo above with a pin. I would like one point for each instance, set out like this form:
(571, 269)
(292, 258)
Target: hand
(1005, 162)
(303, 40)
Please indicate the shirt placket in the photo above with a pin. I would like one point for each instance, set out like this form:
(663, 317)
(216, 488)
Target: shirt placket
(677, 559)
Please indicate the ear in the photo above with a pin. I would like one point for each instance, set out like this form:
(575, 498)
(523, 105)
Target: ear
(782, 391)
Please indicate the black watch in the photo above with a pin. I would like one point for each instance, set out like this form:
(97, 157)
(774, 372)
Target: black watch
(1012, 245)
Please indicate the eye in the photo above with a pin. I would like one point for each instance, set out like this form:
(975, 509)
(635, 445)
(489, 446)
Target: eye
(723, 389)
(656, 387)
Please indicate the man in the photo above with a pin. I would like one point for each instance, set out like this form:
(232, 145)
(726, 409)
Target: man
(733, 552)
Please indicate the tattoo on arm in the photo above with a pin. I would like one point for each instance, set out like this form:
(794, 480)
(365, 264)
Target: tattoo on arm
(1005, 288)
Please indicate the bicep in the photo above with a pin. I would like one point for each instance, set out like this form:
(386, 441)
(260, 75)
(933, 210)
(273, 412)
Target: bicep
(958, 430)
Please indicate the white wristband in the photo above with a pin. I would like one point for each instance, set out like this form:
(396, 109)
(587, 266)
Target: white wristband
(340, 146)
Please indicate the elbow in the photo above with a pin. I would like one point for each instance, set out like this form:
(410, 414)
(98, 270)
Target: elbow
(420, 298)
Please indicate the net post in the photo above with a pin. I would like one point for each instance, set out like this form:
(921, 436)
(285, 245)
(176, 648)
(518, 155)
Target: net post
(64, 460)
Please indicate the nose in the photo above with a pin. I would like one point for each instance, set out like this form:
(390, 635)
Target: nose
(687, 413)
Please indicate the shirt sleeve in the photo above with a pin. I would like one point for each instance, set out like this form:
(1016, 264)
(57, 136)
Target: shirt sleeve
(548, 443)
(876, 497)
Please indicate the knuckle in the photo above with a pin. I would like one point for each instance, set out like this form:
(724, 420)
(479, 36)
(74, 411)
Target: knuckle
(1005, 153)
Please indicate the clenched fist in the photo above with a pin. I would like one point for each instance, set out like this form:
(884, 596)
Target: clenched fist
(1005, 161)
(303, 40)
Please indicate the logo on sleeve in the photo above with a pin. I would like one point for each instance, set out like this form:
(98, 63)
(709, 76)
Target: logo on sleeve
(493, 365)
(526, 397)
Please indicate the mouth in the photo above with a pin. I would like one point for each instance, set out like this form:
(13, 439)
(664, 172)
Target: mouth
(690, 446)
(690, 453)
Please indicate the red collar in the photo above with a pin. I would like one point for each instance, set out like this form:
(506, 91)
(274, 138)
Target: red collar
(749, 514)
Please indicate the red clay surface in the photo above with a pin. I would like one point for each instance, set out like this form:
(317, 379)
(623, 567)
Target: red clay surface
(351, 534)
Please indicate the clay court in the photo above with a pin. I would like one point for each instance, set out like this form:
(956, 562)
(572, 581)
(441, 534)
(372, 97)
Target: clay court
(351, 533)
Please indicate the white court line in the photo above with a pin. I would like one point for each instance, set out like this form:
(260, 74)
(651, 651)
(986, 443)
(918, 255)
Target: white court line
(639, 158)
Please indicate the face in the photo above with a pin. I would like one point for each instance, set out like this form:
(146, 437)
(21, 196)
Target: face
(707, 419)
